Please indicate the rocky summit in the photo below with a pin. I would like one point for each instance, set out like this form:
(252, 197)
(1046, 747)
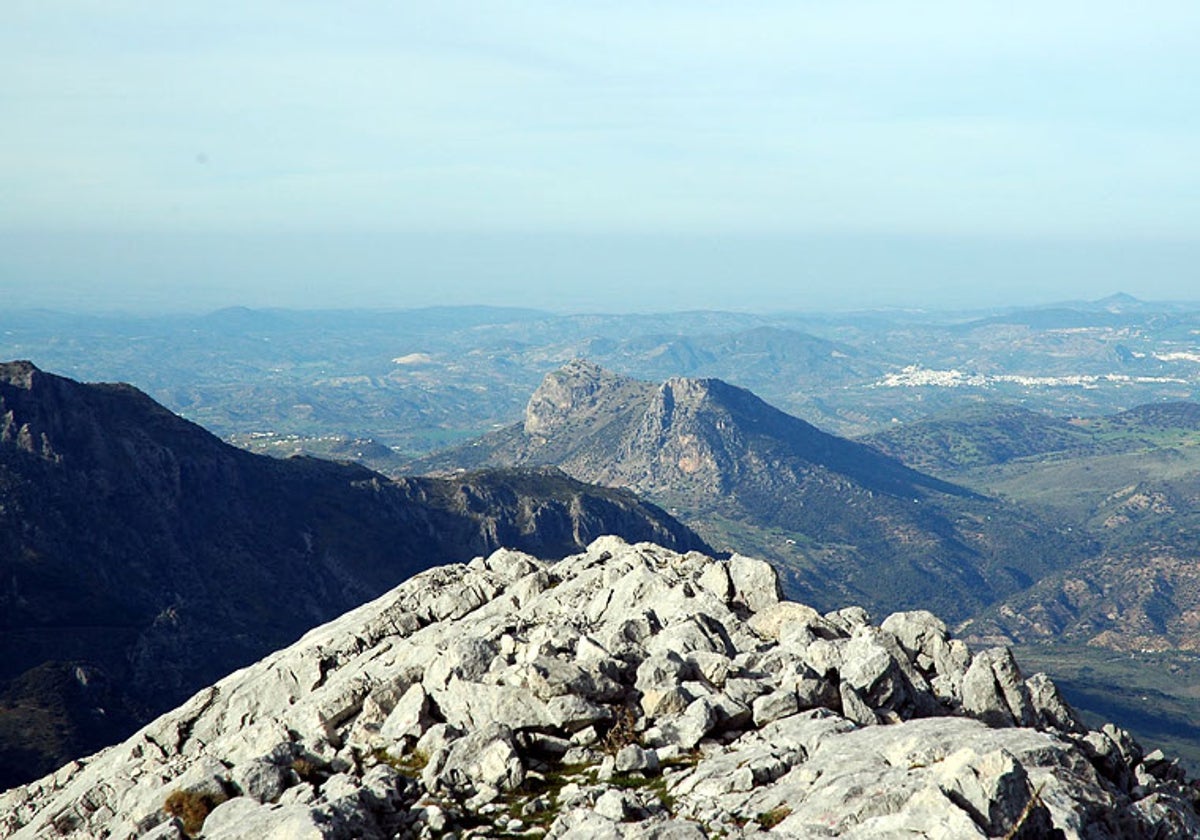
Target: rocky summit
(627, 691)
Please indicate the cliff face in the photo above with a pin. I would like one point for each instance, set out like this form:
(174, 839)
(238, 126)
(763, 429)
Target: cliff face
(628, 691)
(138, 549)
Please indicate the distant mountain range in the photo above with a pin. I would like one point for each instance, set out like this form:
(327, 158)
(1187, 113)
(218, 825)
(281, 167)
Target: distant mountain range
(420, 380)
(142, 558)
(845, 521)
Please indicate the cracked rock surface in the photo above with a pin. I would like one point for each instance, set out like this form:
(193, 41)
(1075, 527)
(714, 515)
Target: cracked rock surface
(625, 692)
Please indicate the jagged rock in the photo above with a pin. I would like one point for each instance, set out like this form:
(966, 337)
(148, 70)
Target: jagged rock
(486, 759)
(824, 656)
(262, 781)
(688, 728)
(994, 691)
(848, 619)
(633, 758)
(571, 713)
(755, 583)
(1049, 707)
(876, 667)
(917, 631)
(438, 737)
(466, 659)
(770, 622)
(716, 580)
(1130, 750)
(775, 705)
(205, 776)
(698, 633)
(392, 721)
(731, 713)
(1166, 818)
(616, 805)
(241, 818)
(468, 705)
(924, 637)
(713, 667)
(854, 707)
(995, 791)
(409, 718)
(813, 691)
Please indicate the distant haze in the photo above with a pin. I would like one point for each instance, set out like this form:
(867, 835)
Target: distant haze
(571, 273)
(617, 156)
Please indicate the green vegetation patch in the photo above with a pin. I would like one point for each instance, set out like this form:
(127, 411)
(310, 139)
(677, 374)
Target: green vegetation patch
(769, 819)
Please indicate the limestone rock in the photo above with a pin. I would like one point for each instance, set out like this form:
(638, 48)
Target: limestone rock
(994, 691)
(410, 716)
(262, 781)
(637, 692)
(755, 583)
(772, 620)
(484, 759)
(243, 818)
(1049, 707)
(775, 705)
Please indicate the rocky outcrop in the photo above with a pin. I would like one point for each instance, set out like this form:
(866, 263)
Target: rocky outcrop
(628, 691)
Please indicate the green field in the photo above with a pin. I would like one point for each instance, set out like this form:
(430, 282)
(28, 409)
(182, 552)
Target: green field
(1156, 696)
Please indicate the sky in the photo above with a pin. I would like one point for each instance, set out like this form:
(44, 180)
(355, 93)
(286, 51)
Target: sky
(620, 156)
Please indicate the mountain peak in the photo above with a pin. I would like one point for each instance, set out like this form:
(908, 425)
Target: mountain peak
(1120, 303)
(578, 395)
(684, 388)
(716, 452)
(1119, 297)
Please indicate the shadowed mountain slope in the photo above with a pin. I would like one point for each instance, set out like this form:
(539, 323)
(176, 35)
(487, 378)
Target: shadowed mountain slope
(141, 553)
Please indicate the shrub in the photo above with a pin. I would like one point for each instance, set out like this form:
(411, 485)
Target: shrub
(191, 808)
(622, 733)
(769, 819)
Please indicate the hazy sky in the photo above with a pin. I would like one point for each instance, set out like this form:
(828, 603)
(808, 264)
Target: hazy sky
(618, 155)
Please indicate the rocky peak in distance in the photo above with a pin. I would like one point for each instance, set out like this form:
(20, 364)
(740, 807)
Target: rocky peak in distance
(846, 521)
